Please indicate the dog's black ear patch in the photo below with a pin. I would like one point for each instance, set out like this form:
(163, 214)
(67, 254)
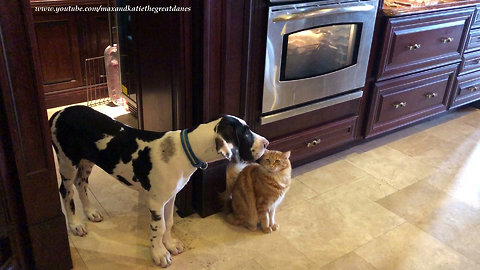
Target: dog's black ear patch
(142, 167)
(238, 134)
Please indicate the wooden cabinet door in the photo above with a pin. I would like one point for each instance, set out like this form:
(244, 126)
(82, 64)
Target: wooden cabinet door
(36, 224)
(58, 46)
(420, 42)
(401, 101)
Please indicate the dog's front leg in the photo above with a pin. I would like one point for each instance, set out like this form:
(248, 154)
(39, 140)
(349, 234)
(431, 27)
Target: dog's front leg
(173, 245)
(160, 254)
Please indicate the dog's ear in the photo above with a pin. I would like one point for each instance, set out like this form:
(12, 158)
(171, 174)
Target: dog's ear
(223, 148)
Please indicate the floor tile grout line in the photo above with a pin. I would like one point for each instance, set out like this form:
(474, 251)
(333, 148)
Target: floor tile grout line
(299, 251)
(78, 253)
(373, 176)
(99, 203)
(452, 249)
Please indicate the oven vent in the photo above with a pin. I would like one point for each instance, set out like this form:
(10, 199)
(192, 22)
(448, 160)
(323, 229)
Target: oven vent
(301, 6)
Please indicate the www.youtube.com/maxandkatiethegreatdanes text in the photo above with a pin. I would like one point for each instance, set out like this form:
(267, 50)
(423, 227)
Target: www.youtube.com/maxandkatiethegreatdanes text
(126, 8)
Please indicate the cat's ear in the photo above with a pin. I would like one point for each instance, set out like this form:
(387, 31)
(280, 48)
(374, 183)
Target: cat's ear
(223, 148)
(286, 154)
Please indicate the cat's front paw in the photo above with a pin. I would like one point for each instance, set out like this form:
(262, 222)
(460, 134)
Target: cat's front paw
(275, 227)
(267, 230)
(251, 227)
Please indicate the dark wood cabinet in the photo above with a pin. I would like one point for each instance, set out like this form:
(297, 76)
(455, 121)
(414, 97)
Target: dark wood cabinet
(64, 41)
(401, 101)
(470, 63)
(466, 89)
(415, 43)
(57, 40)
(420, 58)
(316, 140)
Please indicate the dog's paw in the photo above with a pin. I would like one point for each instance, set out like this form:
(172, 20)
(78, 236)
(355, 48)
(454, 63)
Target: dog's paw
(275, 227)
(78, 229)
(93, 215)
(174, 246)
(161, 256)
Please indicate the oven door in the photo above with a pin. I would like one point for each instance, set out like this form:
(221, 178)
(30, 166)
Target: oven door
(316, 52)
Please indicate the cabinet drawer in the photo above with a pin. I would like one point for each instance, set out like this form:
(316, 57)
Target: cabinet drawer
(401, 101)
(415, 43)
(467, 89)
(473, 41)
(470, 63)
(316, 140)
(476, 22)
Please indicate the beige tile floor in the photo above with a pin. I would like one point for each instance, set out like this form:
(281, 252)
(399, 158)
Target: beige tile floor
(409, 200)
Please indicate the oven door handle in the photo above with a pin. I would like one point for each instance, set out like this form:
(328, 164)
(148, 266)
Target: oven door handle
(322, 12)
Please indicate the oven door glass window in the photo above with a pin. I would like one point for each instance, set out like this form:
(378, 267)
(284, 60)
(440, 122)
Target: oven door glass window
(321, 50)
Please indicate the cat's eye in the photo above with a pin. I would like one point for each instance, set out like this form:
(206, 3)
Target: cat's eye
(267, 160)
(277, 161)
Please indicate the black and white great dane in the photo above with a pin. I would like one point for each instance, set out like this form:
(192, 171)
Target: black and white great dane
(156, 163)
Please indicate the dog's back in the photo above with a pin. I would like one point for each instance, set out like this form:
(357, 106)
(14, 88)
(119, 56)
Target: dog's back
(81, 132)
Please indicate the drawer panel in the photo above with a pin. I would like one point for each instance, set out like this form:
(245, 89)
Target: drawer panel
(419, 42)
(316, 140)
(476, 22)
(404, 100)
(473, 41)
(467, 89)
(470, 63)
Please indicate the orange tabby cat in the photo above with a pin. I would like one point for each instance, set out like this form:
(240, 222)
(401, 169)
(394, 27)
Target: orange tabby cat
(258, 191)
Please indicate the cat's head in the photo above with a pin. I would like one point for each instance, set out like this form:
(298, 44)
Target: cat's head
(275, 161)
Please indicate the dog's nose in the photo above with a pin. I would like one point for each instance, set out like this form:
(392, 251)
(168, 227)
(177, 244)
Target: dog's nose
(265, 143)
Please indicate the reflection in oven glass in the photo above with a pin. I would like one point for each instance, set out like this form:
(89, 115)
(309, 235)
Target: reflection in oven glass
(320, 50)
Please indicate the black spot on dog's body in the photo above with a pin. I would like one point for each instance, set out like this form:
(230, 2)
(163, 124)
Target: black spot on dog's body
(235, 132)
(155, 216)
(62, 190)
(123, 180)
(152, 228)
(77, 128)
(72, 206)
(141, 168)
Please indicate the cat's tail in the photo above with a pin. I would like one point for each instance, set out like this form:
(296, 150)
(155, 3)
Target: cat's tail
(225, 199)
(233, 220)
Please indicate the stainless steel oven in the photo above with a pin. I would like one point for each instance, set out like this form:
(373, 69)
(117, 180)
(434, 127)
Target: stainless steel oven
(317, 55)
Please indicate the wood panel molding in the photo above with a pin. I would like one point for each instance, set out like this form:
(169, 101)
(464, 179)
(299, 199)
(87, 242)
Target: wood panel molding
(27, 138)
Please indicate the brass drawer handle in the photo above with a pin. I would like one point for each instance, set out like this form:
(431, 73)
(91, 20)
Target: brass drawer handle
(399, 105)
(431, 95)
(414, 47)
(447, 40)
(313, 143)
(473, 88)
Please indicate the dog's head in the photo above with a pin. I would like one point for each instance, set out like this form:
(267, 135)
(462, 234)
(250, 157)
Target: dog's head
(234, 133)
